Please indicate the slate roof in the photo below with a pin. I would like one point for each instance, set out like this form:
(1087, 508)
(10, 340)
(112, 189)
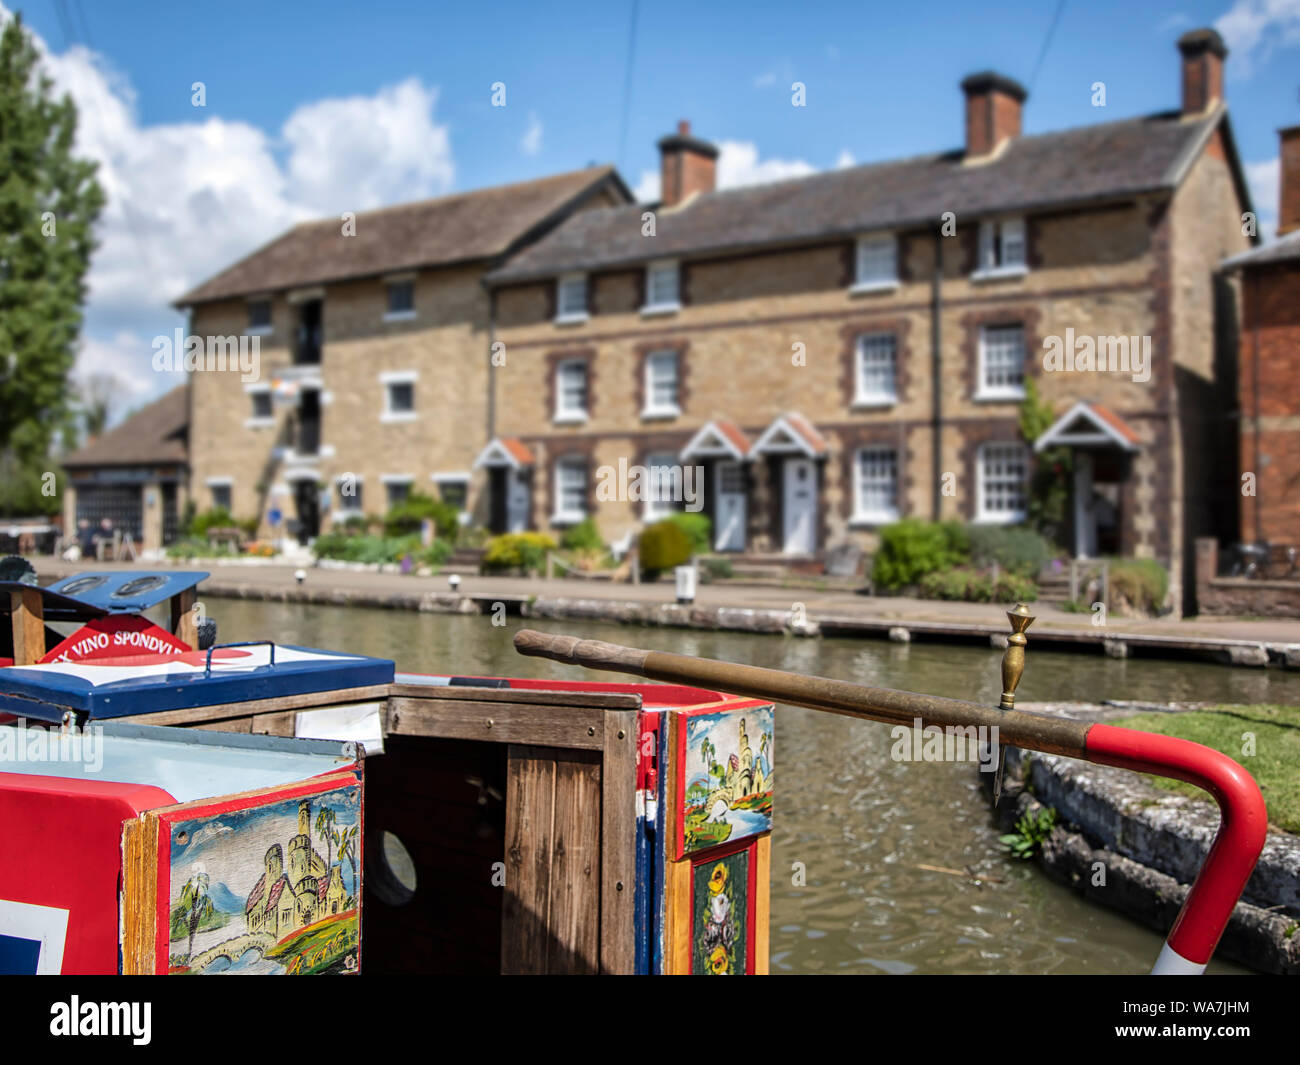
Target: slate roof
(157, 434)
(1284, 249)
(462, 228)
(1113, 160)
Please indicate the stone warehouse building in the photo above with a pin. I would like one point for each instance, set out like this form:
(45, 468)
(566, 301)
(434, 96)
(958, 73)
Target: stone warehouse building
(834, 352)
(374, 348)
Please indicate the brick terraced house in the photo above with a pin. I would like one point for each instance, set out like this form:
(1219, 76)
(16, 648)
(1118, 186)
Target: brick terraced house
(836, 357)
(373, 338)
(1270, 368)
(833, 352)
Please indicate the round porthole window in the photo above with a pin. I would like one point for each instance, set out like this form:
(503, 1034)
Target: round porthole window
(392, 872)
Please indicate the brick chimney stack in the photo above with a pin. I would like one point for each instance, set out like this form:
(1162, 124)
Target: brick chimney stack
(1203, 55)
(993, 107)
(687, 165)
(1288, 212)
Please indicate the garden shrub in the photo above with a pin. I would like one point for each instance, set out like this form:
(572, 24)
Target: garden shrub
(216, 518)
(663, 546)
(911, 548)
(696, 526)
(1142, 582)
(405, 518)
(1011, 547)
(582, 537)
(962, 584)
(517, 551)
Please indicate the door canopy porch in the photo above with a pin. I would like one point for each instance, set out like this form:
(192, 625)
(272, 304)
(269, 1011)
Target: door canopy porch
(719, 439)
(791, 434)
(1089, 425)
(508, 451)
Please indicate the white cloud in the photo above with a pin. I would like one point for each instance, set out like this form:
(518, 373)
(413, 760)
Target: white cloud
(187, 199)
(1252, 29)
(738, 164)
(365, 151)
(1264, 179)
(531, 143)
(845, 160)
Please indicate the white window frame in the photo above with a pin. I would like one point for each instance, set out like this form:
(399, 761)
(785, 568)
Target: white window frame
(654, 306)
(350, 506)
(991, 259)
(983, 457)
(398, 377)
(652, 409)
(260, 330)
(862, 514)
(985, 391)
(228, 483)
(455, 477)
(882, 281)
(570, 415)
(399, 316)
(561, 516)
(390, 479)
(862, 397)
(561, 315)
(253, 421)
(653, 508)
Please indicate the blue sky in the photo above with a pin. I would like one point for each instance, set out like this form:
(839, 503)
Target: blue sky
(314, 109)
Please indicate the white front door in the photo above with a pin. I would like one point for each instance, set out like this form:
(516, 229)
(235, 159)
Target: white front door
(730, 512)
(1085, 509)
(800, 507)
(517, 501)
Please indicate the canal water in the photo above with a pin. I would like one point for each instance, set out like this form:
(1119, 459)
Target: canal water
(852, 827)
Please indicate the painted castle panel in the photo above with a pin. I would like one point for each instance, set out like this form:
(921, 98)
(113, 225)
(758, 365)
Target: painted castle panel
(268, 889)
(727, 780)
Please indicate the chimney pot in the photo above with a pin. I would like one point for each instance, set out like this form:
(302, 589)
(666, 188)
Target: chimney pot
(993, 110)
(687, 165)
(1288, 212)
(1203, 54)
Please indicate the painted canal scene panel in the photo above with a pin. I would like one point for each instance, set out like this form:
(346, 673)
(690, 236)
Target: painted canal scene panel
(272, 889)
(727, 779)
(722, 913)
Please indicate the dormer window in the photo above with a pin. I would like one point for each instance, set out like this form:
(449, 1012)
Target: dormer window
(259, 317)
(662, 289)
(877, 264)
(571, 298)
(1002, 251)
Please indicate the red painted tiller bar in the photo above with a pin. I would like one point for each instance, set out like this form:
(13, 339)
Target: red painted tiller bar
(1244, 820)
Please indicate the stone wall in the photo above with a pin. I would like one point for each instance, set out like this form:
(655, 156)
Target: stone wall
(1239, 596)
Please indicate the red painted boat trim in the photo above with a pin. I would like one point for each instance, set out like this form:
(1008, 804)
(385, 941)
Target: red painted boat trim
(1237, 845)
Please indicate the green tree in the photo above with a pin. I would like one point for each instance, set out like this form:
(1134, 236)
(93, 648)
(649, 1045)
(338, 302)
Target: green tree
(325, 820)
(195, 905)
(49, 201)
(1049, 484)
(348, 851)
